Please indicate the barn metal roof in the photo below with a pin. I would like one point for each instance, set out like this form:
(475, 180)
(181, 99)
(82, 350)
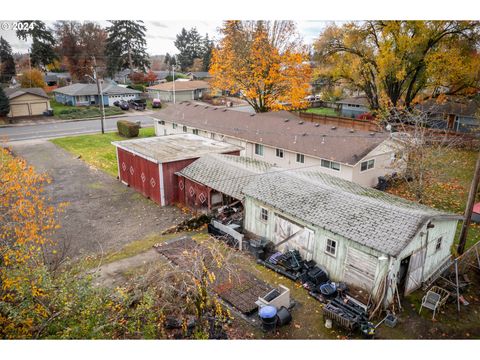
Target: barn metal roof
(161, 149)
(367, 216)
(227, 174)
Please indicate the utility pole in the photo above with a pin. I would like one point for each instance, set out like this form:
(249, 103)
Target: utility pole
(100, 92)
(469, 208)
(173, 68)
(30, 67)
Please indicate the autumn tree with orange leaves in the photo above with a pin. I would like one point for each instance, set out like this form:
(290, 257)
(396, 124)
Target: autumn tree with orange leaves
(265, 61)
(26, 221)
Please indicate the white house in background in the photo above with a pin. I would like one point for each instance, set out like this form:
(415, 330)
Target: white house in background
(184, 90)
(287, 141)
(367, 238)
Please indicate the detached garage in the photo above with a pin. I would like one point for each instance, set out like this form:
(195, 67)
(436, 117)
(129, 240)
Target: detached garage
(27, 101)
(149, 165)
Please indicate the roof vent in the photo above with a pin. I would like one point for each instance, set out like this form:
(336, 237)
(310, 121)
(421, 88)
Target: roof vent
(214, 108)
(300, 123)
(352, 130)
(286, 120)
(187, 104)
(206, 107)
(304, 134)
(195, 105)
(224, 110)
(317, 125)
(333, 128)
(372, 134)
(252, 114)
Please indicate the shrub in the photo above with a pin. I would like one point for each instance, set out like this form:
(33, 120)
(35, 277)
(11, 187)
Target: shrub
(139, 87)
(127, 128)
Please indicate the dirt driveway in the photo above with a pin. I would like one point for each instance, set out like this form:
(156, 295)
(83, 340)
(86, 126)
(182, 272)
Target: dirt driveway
(102, 214)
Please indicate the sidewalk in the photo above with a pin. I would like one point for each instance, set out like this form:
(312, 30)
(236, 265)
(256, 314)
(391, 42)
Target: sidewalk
(49, 120)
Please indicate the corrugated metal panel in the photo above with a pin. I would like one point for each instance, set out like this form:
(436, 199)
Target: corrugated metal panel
(140, 174)
(360, 269)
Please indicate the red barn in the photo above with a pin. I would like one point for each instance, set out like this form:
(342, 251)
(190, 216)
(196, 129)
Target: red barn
(149, 165)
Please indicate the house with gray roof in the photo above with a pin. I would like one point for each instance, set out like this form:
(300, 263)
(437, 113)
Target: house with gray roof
(27, 101)
(353, 106)
(284, 139)
(371, 240)
(87, 94)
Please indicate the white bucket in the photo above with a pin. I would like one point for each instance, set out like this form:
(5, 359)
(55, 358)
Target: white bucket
(328, 323)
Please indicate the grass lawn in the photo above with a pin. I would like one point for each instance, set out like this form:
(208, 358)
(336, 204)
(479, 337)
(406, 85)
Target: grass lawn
(65, 112)
(97, 149)
(449, 190)
(322, 111)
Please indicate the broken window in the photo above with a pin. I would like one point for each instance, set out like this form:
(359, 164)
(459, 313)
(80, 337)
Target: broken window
(438, 246)
(263, 214)
(331, 247)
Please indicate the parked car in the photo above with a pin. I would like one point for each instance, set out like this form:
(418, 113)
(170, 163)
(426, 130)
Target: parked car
(156, 103)
(137, 104)
(122, 104)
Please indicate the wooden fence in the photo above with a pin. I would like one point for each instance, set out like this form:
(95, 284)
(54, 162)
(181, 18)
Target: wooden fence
(357, 124)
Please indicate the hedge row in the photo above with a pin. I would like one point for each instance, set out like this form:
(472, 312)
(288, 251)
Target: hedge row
(127, 128)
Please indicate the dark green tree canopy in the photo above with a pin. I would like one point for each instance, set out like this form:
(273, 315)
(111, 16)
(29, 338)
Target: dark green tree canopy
(191, 46)
(126, 46)
(4, 103)
(43, 42)
(7, 64)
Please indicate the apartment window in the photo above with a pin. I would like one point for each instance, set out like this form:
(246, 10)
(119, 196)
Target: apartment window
(331, 248)
(300, 158)
(330, 164)
(263, 214)
(212, 135)
(174, 126)
(184, 128)
(161, 122)
(367, 165)
(279, 153)
(438, 246)
(259, 149)
(195, 131)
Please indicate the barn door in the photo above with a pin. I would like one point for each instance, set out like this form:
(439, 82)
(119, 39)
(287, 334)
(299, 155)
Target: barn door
(360, 269)
(299, 238)
(415, 271)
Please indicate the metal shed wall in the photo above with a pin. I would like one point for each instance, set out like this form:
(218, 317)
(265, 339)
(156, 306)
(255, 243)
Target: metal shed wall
(139, 173)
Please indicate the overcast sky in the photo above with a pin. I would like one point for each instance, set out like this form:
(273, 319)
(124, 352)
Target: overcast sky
(161, 34)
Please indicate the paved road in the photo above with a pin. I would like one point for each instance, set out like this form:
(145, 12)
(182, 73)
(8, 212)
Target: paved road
(46, 131)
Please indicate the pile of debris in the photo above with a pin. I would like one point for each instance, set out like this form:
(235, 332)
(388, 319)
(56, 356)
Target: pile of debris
(227, 225)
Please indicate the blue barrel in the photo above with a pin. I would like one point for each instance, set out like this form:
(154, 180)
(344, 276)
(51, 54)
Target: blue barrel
(268, 314)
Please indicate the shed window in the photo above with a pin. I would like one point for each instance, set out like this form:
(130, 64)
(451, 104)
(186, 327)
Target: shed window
(330, 164)
(184, 128)
(263, 214)
(279, 153)
(300, 158)
(331, 248)
(174, 126)
(259, 149)
(438, 246)
(195, 131)
(367, 165)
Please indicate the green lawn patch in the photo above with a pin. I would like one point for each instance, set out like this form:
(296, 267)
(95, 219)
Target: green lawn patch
(66, 112)
(97, 149)
(322, 111)
(449, 190)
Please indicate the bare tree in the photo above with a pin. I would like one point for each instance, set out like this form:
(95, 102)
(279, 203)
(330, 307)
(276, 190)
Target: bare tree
(420, 144)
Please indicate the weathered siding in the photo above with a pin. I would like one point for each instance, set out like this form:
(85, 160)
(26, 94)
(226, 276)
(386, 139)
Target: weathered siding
(335, 265)
(170, 183)
(192, 194)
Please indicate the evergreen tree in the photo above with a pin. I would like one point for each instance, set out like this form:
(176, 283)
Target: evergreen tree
(7, 64)
(207, 52)
(43, 42)
(191, 46)
(4, 103)
(126, 46)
